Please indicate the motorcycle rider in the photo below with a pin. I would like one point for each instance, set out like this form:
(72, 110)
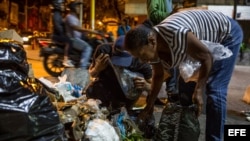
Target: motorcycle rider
(59, 34)
(75, 32)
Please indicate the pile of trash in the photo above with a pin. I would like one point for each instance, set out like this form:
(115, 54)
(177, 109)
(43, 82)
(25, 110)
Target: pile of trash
(37, 109)
(85, 119)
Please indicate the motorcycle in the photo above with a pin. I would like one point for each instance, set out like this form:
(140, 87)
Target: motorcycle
(53, 52)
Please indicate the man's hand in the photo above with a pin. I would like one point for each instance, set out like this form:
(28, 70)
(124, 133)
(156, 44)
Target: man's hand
(198, 100)
(101, 62)
(141, 83)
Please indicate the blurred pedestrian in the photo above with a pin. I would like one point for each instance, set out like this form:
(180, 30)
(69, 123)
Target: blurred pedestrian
(158, 10)
(169, 43)
(123, 28)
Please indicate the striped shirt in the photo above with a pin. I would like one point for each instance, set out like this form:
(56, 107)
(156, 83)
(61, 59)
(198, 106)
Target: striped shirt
(204, 24)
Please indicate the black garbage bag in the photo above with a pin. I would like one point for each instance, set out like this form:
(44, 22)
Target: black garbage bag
(26, 111)
(178, 123)
(178, 120)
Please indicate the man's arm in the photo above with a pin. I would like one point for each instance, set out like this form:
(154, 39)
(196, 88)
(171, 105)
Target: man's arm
(157, 80)
(100, 64)
(73, 23)
(100, 59)
(197, 50)
(80, 29)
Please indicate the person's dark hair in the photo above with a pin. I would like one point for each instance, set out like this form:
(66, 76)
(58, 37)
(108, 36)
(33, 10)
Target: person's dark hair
(136, 37)
(125, 21)
(148, 23)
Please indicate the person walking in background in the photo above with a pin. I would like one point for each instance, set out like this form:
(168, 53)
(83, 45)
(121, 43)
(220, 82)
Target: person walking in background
(158, 10)
(123, 28)
(161, 47)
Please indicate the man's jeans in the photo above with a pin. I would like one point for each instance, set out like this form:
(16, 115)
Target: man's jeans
(217, 86)
(172, 82)
(86, 50)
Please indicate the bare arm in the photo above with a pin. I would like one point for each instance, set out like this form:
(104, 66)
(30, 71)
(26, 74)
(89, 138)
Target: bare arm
(98, 65)
(157, 80)
(199, 51)
(148, 85)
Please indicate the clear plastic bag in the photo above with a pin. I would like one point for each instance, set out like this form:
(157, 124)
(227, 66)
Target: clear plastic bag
(127, 82)
(189, 68)
(218, 51)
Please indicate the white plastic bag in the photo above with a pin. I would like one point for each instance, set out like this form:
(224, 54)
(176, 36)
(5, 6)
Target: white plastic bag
(65, 89)
(218, 51)
(101, 130)
(189, 68)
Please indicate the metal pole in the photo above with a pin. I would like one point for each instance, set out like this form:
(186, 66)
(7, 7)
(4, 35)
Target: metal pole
(80, 13)
(26, 15)
(92, 14)
(235, 9)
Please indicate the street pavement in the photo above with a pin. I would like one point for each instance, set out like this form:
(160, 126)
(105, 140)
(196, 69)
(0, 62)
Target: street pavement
(239, 82)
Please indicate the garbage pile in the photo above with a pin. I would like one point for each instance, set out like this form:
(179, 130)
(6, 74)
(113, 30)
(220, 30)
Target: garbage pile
(85, 119)
(36, 109)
